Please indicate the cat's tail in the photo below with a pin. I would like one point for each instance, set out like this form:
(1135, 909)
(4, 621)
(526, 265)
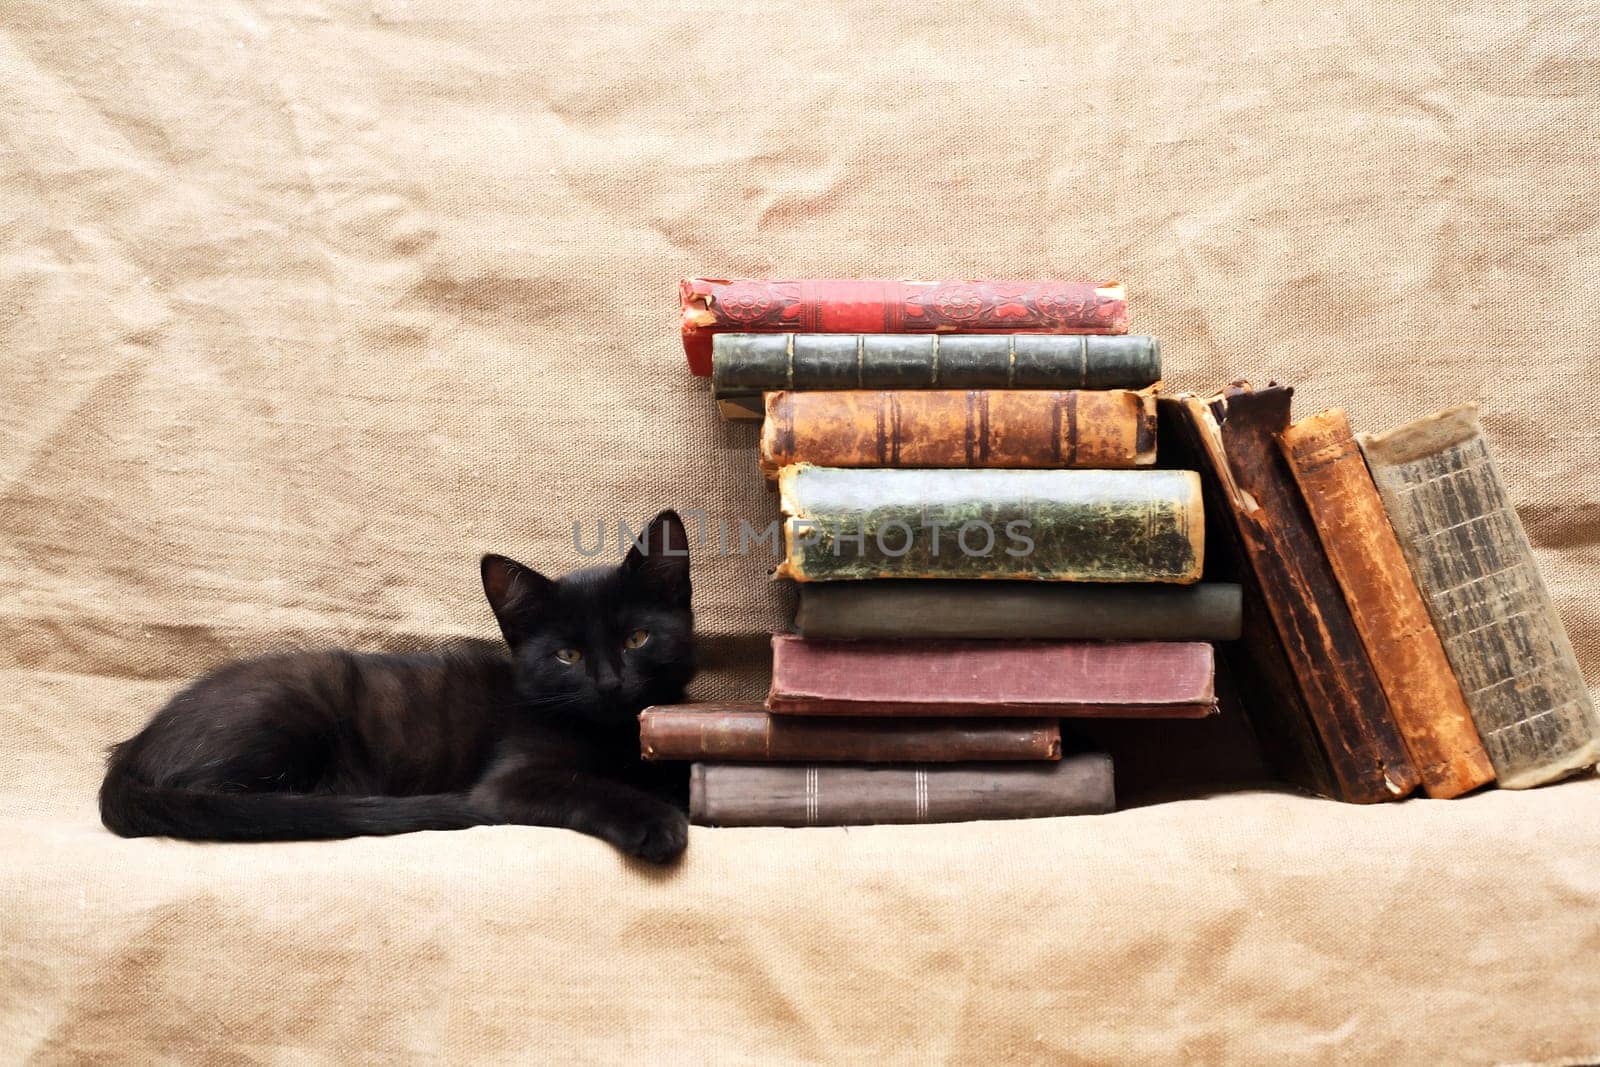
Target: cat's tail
(133, 808)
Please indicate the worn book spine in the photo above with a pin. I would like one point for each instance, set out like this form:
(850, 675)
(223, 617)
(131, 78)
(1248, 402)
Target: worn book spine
(1388, 612)
(776, 794)
(1209, 611)
(1329, 664)
(1476, 571)
(977, 428)
(718, 305)
(1264, 682)
(1087, 679)
(1061, 525)
(748, 733)
(748, 364)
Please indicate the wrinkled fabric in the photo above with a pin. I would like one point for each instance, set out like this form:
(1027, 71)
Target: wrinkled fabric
(310, 303)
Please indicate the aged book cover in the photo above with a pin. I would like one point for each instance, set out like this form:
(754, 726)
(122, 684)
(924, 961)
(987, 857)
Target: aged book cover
(1061, 525)
(745, 365)
(777, 794)
(1335, 733)
(1269, 700)
(748, 733)
(720, 305)
(1475, 569)
(975, 428)
(1383, 600)
(1209, 611)
(1143, 679)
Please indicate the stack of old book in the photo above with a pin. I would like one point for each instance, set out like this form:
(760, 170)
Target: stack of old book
(1397, 631)
(982, 542)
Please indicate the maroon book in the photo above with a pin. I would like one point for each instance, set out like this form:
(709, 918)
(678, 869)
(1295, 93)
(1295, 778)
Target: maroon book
(748, 733)
(1051, 679)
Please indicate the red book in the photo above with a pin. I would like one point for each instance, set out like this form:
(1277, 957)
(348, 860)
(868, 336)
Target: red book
(1135, 679)
(719, 305)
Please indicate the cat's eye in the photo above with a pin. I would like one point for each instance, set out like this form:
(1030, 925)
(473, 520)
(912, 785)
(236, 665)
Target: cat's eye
(637, 638)
(568, 655)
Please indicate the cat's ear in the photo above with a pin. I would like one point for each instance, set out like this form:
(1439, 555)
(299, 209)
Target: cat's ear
(659, 560)
(516, 593)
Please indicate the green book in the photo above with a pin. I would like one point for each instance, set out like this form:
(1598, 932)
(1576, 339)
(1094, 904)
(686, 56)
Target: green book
(1039, 525)
(745, 365)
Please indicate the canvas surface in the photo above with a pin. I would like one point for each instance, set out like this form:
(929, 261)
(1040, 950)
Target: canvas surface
(309, 303)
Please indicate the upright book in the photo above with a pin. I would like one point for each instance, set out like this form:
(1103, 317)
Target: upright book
(1208, 611)
(1383, 600)
(1087, 679)
(1308, 683)
(1267, 698)
(745, 365)
(777, 794)
(1038, 525)
(748, 733)
(718, 305)
(1476, 570)
(975, 428)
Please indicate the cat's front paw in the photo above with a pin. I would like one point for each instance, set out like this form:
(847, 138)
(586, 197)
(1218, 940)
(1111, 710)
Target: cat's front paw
(659, 837)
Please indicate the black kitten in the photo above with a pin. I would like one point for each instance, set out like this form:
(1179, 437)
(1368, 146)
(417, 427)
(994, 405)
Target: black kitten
(338, 744)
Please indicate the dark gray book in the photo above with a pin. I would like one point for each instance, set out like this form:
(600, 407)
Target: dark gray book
(745, 365)
(997, 609)
(797, 794)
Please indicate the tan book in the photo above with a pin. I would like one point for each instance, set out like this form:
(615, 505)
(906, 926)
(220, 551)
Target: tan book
(1475, 569)
(1389, 613)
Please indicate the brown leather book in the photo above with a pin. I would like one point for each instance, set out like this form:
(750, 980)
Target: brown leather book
(779, 794)
(1269, 701)
(1019, 428)
(1389, 613)
(1136, 679)
(1476, 570)
(749, 733)
(1309, 685)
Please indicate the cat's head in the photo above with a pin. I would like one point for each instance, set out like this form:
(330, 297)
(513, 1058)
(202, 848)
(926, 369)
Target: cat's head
(601, 644)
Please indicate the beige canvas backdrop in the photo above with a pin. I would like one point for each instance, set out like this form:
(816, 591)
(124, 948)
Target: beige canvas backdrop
(306, 304)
